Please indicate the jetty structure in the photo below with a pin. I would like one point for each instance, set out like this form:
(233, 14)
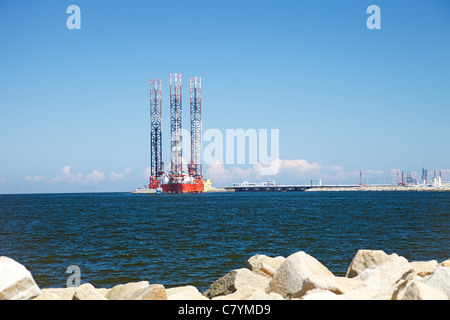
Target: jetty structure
(271, 185)
(435, 184)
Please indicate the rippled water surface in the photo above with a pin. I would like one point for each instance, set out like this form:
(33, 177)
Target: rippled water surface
(185, 239)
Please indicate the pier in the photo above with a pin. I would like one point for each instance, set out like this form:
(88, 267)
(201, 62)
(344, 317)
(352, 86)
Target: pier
(283, 188)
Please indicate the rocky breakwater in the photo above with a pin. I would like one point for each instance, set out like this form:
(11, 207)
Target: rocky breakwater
(372, 275)
(418, 188)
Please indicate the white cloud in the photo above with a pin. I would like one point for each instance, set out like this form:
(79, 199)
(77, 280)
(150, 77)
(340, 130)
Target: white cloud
(95, 176)
(117, 176)
(301, 171)
(300, 165)
(2, 180)
(68, 177)
(65, 176)
(221, 175)
(66, 171)
(34, 179)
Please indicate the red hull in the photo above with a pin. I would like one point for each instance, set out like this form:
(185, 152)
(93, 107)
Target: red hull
(183, 187)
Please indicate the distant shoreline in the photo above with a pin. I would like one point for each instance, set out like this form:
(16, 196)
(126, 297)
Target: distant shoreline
(382, 188)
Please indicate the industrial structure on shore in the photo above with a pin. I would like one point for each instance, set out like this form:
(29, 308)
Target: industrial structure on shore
(176, 180)
(407, 178)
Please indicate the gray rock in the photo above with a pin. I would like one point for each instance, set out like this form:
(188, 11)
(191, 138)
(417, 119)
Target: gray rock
(234, 280)
(222, 286)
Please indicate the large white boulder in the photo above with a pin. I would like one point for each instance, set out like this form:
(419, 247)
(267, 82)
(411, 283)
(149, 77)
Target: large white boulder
(152, 292)
(383, 282)
(440, 280)
(185, 293)
(87, 292)
(56, 294)
(249, 293)
(264, 265)
(120, 291)
(300, 273)
(364, 259)
(418, 290)
(445, 263)
(424, 268)
(16, 282)
(318, 294)
(259, 294)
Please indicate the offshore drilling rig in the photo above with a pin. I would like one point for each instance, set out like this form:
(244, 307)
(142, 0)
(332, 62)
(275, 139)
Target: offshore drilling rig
(177, 180)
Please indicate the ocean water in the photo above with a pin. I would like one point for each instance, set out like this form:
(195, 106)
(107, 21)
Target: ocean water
(181, 239)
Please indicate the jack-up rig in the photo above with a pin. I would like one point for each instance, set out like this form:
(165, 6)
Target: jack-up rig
(177, 180)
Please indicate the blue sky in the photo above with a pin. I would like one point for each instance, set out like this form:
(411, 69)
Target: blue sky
(74, 104)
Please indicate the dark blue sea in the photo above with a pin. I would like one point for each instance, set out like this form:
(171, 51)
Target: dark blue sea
(183, 239)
